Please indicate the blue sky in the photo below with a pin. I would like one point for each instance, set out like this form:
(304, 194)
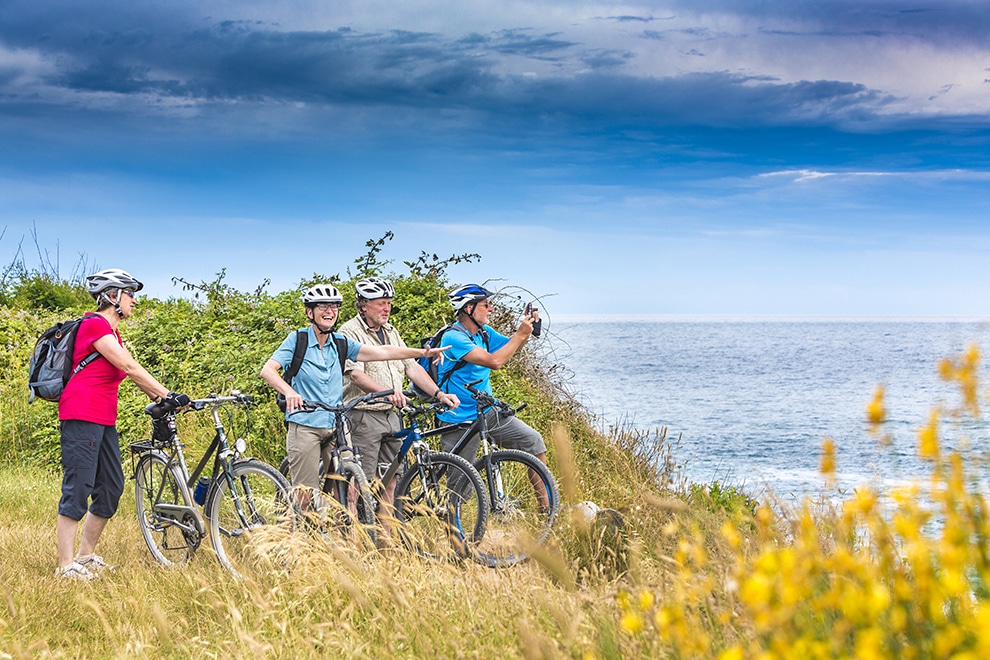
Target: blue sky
(702, 157)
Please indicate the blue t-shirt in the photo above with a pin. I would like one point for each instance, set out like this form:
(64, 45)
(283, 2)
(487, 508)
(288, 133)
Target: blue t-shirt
(461, 343)
(319, 376)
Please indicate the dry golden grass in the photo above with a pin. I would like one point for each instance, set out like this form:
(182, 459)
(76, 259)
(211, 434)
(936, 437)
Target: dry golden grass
(664, 576)
(315, 599)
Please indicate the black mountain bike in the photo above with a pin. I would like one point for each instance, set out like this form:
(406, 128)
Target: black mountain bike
(522, 493)
(346, 495)
(440, 499)
(240, 497)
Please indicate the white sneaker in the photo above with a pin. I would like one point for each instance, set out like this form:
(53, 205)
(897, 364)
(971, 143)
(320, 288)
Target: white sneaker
(75, 571)
(94, 564)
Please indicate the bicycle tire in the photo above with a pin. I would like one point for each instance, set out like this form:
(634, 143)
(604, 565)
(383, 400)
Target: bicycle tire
(517, 519)
(442, 507)
(169, 543)
(258, 502)
(357, 481)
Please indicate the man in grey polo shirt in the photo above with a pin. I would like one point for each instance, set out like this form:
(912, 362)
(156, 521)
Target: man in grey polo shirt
(368, 422)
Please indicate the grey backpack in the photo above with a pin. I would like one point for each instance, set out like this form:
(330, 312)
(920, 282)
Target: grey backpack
(51, 363)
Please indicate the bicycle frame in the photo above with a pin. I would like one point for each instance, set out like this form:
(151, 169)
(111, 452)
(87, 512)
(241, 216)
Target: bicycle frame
(219, 450)
(492, 476)
(342, 450)
(492, 473)
(412, 439)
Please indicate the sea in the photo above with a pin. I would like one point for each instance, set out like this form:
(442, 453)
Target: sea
(748, 401)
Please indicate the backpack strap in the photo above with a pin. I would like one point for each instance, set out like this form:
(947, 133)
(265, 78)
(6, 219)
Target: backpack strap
(92, 356)
(302, 343)
(341, 343)
(458, 363)
(86, 360)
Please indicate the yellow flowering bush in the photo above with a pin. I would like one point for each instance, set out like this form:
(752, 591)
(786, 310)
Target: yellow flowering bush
(902, 576)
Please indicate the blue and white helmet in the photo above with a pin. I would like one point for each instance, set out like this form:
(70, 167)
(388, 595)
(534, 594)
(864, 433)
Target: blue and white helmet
(373, 288)
(467, 294)
(322, 293)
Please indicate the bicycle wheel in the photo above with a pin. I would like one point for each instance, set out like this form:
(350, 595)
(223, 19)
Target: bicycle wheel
(442, 506)
(243, 504)
(356, 494)
(522, 511)
(164, 510)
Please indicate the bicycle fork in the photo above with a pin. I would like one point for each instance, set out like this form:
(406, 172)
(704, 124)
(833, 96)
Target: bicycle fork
(493, 475)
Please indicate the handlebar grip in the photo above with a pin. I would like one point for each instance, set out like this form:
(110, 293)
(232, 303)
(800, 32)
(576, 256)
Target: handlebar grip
(159, 410)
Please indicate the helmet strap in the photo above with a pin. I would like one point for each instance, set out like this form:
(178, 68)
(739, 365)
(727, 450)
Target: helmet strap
(470, 315)
(317, 329)
(115, 303)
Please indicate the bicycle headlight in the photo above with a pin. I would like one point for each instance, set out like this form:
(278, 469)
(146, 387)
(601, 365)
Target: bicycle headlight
(240, 446)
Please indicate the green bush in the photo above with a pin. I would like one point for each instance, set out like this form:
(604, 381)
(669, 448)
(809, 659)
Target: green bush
(217, 341)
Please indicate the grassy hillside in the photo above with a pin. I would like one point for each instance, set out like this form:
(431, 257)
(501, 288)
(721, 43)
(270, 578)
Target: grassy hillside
(685, 570)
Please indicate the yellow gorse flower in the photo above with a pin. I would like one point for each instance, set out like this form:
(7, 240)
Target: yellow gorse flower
(928, 439)
(876, 413)
(828, 459)
(896, 572)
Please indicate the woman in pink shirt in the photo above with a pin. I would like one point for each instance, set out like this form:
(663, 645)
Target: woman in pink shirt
(93, 478)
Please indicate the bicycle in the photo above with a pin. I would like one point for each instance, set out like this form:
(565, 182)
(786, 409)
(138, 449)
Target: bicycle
(240, 497)
(345, 481)
(522, 493)
(444, 502)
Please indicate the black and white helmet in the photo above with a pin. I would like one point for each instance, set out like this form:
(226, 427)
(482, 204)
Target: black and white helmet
(373, 288)
(111, 278)
(322, 293)
(467, 294)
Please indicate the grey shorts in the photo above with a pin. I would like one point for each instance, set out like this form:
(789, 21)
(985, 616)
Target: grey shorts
(366, 429)
(506, 431)
(302, 447)
(92, 469)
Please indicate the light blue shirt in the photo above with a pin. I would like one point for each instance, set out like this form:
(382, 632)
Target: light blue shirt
(319, 376)
(461, 343)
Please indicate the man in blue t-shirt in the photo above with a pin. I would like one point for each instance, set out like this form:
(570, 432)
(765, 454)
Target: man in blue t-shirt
(320, 379)
(475, 349)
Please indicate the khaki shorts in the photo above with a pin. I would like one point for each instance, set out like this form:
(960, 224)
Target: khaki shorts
(366, 430)
(302, 446)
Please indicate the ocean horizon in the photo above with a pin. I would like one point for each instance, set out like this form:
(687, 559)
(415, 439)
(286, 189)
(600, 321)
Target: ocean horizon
(753, 397)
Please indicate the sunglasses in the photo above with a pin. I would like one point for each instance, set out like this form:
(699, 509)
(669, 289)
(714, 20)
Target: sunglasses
(130, 293)
(325, 306)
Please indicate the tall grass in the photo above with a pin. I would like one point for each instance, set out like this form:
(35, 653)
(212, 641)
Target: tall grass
(315, 599)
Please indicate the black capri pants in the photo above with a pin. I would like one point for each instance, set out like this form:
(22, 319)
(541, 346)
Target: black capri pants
(92, 470)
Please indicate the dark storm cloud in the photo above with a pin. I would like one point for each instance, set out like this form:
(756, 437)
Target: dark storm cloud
(947, 23)
(145, 57)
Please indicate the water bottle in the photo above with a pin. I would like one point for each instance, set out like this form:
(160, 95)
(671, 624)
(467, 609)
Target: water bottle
(201, 486)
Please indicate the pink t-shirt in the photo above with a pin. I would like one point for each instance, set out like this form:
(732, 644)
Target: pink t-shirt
(91, 394)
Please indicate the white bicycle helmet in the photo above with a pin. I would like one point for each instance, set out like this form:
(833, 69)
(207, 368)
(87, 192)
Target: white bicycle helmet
(322, 293)
(373, 288)
(111, 278)
(467, 294)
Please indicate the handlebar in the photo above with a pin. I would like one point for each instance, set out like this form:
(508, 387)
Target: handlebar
(162, 408)
(419, 409)
(313, 406)
(485, 399)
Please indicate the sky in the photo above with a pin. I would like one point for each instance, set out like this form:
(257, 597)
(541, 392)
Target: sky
(784, 157)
